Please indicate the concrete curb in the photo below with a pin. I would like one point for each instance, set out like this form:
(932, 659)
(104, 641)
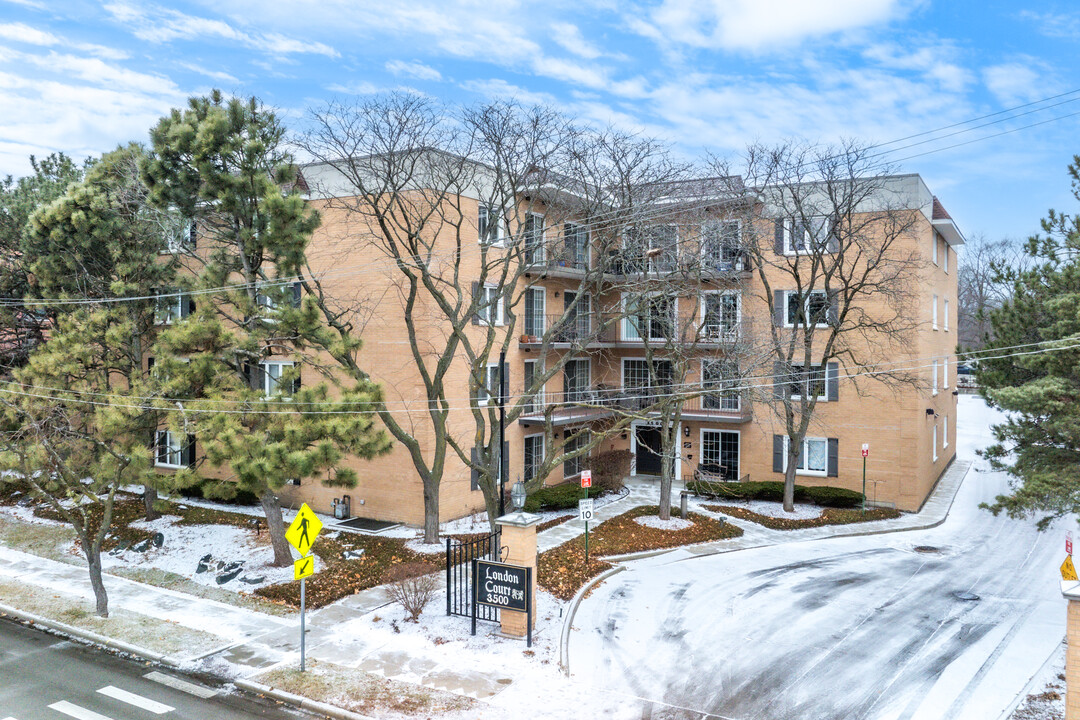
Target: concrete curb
(91, 637)
(568, 621)
(299, 701)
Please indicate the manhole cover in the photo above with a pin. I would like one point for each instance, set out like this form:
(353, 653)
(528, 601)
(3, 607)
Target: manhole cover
(927, 549)
(966, 596)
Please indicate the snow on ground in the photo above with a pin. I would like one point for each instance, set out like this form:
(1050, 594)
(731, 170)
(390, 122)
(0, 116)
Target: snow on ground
(774, 509)
(185, 545)
(26, 515)
(671, 524)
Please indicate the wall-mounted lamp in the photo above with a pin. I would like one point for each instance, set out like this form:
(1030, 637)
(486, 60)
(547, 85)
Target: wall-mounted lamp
(686, 431)
(930, 411)
(955, 392)
(556, 293)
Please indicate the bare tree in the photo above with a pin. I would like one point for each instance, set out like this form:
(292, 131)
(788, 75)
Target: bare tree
(983, 286)
(829, 243)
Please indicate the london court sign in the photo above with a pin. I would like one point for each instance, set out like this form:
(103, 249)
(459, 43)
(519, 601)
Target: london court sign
(505, 587)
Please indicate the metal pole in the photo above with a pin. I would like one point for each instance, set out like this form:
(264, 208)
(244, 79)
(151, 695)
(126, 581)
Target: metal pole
(586, 545)
(449, 582)
(528, 607)
(303, 599)
(502, 432)
(864, 483)
(473, 594)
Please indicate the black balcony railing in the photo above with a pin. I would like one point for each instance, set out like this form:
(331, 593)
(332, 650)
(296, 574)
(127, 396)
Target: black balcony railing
(596, 401)
(585, 328)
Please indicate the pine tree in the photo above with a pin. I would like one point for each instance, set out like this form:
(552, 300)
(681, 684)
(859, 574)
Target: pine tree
(1039, 443)
(222, 163)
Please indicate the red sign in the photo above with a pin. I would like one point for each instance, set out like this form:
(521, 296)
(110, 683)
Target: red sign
(586, 478)
(865, 450)
(1068, 543)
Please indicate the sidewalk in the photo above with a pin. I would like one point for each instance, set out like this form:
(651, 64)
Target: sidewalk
(347, 633)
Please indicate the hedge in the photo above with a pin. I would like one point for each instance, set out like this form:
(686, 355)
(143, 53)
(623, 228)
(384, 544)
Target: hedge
(774, 491)
(559, 497)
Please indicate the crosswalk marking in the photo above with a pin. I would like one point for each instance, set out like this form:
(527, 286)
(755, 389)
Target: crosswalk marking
(137, 700)
(79, 713)
(177, 684)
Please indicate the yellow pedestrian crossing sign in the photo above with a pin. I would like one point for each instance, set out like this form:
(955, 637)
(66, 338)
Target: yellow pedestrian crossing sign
(304, 529)
(1068, 570)
(304, 567)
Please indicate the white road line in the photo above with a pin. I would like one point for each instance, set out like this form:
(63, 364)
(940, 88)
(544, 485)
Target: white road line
(79, 713)
(177, 684)
(137, 700)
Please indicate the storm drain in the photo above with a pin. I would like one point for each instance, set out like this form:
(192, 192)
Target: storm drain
(965, 596)
(926, 549)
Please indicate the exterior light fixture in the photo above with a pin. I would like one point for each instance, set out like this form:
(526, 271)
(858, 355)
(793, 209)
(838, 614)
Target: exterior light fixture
(518, 495)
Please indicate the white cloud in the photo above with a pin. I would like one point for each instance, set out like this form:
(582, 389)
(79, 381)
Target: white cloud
(498, 88)
(1015, 82)
(570, 38)
(27, 35)
(162, 25)
(759, 24)
(936, 63)
(355, 88)
(414, 70)
(218, 75)
(1055, 25)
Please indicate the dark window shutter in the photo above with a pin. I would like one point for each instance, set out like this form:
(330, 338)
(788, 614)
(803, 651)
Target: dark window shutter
(297, 290)
(189, 305)
(504, 462)
(832, 245)
(295, 383)
(149, 364)
(189, 452)
(530, 309)
(778, 453)
(474, 474)
(832, 378)
(162, 447)
(834, 455)
(834, 308)
(778, 236)
(476, 303)
(780, 378)
(779, 307)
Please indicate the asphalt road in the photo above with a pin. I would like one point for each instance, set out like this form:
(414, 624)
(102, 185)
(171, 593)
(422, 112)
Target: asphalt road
(43, 677)
(944, 623)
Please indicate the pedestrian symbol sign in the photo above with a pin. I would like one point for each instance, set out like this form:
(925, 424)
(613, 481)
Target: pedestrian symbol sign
(304, 529)
(304, 567)
(1068, 570)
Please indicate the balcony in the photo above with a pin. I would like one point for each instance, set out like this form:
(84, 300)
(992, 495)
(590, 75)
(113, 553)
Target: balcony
(611, 330)
(554, 260)
(603, 401)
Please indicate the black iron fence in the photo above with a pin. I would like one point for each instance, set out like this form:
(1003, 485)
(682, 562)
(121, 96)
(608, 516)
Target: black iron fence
(459, 590)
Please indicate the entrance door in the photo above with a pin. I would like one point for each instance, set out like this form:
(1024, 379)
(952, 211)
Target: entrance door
(647, 451)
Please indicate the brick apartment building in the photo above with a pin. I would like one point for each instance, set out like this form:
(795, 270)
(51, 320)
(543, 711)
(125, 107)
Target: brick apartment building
(578, 305)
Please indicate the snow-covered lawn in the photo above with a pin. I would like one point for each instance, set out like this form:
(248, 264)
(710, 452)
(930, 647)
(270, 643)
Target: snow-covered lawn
(673, 523)
(774, 509)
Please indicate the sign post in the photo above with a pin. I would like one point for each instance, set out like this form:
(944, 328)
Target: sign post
(585, 502)
(301, 534)
(865, 454)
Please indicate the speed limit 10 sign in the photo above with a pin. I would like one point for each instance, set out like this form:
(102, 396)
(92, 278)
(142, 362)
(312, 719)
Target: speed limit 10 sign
(585, 509)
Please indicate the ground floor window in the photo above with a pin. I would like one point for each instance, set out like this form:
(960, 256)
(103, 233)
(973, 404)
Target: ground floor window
(173, 450)
(720, 453)
(575, 465)
(813, 457)
(534, 456)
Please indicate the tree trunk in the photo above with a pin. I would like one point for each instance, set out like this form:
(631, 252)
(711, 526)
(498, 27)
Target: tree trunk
(789, 479)
(150, 497)
(275, 525)
(431, 511)
(93, 560)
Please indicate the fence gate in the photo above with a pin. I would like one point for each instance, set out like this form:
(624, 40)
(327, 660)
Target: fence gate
(459, 591)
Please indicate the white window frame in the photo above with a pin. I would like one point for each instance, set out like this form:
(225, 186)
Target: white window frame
(588, 378)
(806, 454)
(945, 259)
(540, 258)
(177, 307)
(806, 308)
(627, 320)
(789, 231)
(805, 379)
(934, 376)
(181, 240)
(732, 334)
(272, 389)
(175, 449)
(484, 394)
(945, 431)
(577, 228)
(934, 255)
(524, 441)
(718, 225)
(538, 369)
(622, 370)
(580, 459)
(487, 307)
(945, 373)
(934, 443)
(945, 320)
(934, 313)
(648, 262)
(540, 292)
(485, 211)
(725, 394)
(738, 470)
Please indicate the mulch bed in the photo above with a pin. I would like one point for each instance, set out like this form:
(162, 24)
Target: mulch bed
(562, 569)
(830, 516)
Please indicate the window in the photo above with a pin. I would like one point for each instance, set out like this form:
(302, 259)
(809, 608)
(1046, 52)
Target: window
(576, 381)
(945, 432)
(721, 245)
(269, 295)
(933, 376)
(813, 456)
(490, 302)
(652, 316)
(935, 250)
(720, 315)
(489, 225)
(576, 246)
(181, 236)
(489, 391)
(535, 401)
(533, 239)
(720, 454)
(534, 456)
(173, 450)
(934, 443)
(945, 258)
(575, 442)
(718, 379)
(642, 386)
(813, 382)
(652, 249)
(933, 313)
(815, 305)
(534, 311)
(945, 320)
(273, 383)
(945, 373)
(172, 305)
(813, 235)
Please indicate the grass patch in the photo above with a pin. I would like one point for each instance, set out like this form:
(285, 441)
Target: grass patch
(172, 581)
(554, 522)
(563, 571)
(829, 516)
(362, 692)
(141, 630)
(50, 541)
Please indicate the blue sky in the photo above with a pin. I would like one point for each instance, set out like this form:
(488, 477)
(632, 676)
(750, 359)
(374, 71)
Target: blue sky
(82, 76)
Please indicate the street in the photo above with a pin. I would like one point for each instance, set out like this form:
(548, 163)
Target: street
(47, 678)
(949, 622)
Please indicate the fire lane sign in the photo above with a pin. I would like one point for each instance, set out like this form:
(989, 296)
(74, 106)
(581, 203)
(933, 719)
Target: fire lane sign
(586, 478)
(502, 586)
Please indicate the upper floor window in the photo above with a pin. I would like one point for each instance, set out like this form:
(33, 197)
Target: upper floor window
(945, 257)
(721, 245)
(172, 305)
(813, 309)
(934, 254)
(576, 251)
(490, 306)
(653, 248)
(489, 391)
(812, 382)
(933, 313)
(273, 381)
(720, 316)
(490, 227)
(809, 236)
(945, 320)
(533, 239)
(651, 317)
(269, 295)
(181, 235)
(720, 378)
